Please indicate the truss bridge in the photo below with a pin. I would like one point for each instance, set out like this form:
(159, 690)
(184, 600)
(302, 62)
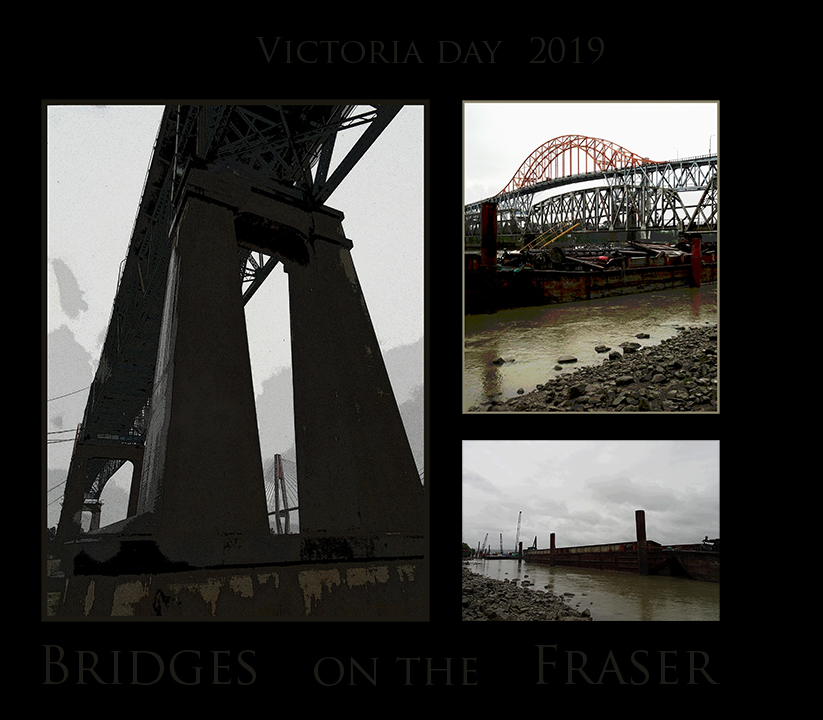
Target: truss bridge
(615, 190)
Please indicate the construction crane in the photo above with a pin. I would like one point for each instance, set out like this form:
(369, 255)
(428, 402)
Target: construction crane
(517, 537)
(483, 549)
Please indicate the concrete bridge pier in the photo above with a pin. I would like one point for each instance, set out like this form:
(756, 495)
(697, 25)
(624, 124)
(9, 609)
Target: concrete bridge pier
(356, 471)
(202, 483)
(199, 543)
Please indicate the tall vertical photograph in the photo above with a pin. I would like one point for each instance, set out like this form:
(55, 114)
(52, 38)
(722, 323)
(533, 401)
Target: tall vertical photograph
(234, 362)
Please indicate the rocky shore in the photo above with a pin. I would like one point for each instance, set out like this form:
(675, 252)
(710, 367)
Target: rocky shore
(677, 375)
(488, 599)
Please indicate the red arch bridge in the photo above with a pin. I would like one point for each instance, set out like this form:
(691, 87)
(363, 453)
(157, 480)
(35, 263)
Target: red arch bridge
(615, 190)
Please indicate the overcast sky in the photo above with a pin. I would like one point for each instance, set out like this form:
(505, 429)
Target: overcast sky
(500, 136)
(587, 491)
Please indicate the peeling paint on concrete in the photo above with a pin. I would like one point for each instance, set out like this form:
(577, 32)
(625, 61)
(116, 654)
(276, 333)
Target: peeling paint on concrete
(242, 585)
(405, 572)
(126, 596)
(263, 578)
(312, 583)
(355, 577)
(208, 590)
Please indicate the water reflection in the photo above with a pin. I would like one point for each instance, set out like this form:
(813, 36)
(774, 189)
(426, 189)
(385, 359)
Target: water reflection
(613, 596)
(534, 338)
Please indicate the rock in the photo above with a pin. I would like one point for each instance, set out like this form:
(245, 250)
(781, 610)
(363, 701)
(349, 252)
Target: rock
(642, 335)
(601, 348)
(499, 361)
(674, 375)
(491, 600)
(567, 359)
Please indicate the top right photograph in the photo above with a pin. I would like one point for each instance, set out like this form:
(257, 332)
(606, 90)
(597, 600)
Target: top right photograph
(591, 257)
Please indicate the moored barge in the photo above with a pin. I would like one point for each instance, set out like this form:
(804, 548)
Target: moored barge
(534, 278)
(700, 561)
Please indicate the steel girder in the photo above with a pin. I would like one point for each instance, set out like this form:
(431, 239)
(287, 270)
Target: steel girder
(615, 207)
(517, 210)
(287, 142)
(688, 174)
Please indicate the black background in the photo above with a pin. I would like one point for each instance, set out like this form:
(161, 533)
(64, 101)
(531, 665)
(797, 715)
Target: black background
(503, 656)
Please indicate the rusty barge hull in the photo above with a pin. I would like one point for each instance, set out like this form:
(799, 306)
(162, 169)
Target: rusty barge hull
(624, 557)
(497, 288)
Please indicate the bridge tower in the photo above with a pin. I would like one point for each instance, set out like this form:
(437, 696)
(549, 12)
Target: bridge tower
(198, 499)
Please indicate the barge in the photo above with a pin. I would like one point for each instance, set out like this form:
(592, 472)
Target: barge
(699, 561)
(530, 278)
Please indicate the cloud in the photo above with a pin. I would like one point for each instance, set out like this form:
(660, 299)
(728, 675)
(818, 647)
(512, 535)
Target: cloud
(625, 491)
(71, 296)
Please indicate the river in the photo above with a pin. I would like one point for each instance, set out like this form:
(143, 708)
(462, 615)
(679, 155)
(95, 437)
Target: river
(614, 596)
(535, 337)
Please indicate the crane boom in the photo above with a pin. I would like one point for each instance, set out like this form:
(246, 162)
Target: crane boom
(517, 537)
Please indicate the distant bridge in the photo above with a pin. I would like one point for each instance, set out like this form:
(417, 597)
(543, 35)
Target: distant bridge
(633, 192)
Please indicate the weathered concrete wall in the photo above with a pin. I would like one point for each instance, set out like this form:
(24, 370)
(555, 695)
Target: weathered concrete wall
(380, 589)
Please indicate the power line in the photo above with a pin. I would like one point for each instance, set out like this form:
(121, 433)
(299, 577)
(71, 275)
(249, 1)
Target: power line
(67, 394)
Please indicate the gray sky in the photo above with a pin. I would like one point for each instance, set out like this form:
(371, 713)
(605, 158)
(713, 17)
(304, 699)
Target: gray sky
(587, 491)
(500, 136)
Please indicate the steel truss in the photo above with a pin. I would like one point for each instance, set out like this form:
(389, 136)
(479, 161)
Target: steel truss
(293, 145)
(655, 193)
(614, 207)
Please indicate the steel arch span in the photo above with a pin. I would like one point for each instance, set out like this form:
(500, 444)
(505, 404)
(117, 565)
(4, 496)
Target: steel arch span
(570, 155)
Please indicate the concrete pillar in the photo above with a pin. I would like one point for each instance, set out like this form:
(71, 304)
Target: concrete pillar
(134, 490)
(488, 234)
(74, 498)
(642, 550)
(356, 471)
(202, 473)
(95, 508)
(69, 525)
(551, 551)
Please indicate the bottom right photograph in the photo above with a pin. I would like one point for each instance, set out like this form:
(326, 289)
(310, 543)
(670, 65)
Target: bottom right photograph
(591, 531)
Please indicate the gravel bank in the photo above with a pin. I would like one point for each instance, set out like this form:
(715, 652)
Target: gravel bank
(488, 599)
(679, 374)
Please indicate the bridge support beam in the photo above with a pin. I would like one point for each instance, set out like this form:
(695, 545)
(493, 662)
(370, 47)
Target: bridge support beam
(203, 474)
(69, 526)
(356, 471)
